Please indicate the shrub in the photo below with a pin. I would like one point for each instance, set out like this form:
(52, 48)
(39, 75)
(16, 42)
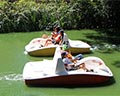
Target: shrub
(27, 15)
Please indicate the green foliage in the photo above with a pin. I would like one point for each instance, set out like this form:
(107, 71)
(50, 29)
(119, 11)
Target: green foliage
(34, 15)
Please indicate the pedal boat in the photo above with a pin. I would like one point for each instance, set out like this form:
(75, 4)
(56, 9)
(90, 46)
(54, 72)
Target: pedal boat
(53, 73)
(34, 47)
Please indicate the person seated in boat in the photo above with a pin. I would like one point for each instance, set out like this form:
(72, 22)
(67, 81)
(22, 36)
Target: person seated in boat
(56, 37)
(65, 48)
(44, 39)
(45, 36)
(69, 64)
(59, 37)
(69, 60)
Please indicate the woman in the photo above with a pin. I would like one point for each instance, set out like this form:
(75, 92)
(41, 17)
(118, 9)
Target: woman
(57, 36)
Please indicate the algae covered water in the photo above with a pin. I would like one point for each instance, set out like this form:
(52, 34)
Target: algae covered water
(13, 59)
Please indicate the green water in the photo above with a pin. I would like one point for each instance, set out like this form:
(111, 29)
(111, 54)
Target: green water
(13, 59)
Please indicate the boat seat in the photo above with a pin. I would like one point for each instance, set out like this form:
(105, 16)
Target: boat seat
(57, 60)
(60, 68)
(65, 39)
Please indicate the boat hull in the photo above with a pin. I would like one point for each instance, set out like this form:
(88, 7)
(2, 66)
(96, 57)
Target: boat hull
(50, 51)
(68, 80)
(43, 52)
(79, 50)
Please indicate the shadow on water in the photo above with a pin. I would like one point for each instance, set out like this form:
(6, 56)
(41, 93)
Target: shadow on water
(94, 38)
(101, 43)
(107, 83)
(117, 64)
(101, 37)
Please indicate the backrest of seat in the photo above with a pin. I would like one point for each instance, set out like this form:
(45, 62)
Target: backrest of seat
(60, 68)
(65, 40)
(57, 60)
(57, 54)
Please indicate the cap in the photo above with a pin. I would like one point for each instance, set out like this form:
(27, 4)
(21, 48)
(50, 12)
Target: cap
(64, 47)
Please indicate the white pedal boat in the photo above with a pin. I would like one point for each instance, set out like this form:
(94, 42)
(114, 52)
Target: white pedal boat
(34, 48)
(53, 72)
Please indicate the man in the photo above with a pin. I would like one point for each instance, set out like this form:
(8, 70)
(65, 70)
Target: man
(68, 59)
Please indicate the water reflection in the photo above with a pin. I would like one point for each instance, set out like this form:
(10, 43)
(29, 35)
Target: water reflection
(105, 48)
(117, 64)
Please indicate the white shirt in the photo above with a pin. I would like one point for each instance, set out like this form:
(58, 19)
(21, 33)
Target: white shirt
(67, 61)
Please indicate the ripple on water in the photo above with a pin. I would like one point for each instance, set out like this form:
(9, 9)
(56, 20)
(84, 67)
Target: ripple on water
(11, 77)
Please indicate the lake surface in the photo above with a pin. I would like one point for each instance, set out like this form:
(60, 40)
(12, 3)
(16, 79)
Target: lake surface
(13, 59)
